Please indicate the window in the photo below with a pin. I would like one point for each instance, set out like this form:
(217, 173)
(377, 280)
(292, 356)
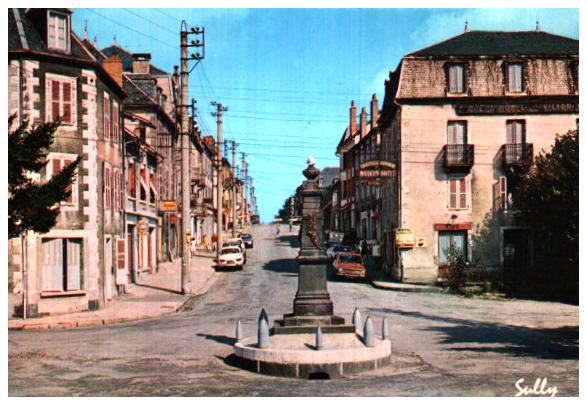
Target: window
(106, 116)
(60, 99)
(132, 176)
(107, 187)
(451, 243)
(457, 194)
(115, 119)
(515, 131)
(456, 78)
(58, 31)
(514, 77)
(56, 162)
(61, 265)
(457, 133)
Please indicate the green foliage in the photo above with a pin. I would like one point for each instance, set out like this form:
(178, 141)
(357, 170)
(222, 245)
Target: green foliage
(457, 273)
(285, 211)
(31, 205)
(551, 208)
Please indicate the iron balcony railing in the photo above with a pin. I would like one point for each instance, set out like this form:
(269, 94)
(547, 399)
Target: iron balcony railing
(460, 156)
(517, 155)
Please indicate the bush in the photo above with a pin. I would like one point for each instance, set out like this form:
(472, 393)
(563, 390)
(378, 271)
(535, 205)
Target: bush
(457, 273)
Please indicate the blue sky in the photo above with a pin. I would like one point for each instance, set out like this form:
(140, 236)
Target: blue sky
(288, 75)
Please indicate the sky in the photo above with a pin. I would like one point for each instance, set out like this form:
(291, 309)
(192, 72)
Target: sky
(288, 75)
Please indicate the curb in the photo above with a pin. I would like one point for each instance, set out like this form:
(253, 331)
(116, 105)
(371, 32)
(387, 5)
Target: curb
(102, 322)
(411, 288)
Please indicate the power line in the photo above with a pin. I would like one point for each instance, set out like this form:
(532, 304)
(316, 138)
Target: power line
(166, 15)
(293, 91)
(150, 21)
(132, 29)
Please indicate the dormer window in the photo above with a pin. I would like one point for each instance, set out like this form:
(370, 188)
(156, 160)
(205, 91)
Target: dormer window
(58, 31)
(456, 78)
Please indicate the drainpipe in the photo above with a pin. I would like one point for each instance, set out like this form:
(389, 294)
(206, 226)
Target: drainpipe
(25, 286)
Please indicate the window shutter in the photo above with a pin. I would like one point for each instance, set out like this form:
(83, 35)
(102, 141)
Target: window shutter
(452, 201)
(73, 264)
(55, 166)
(52, 265)
(463, 193)
(121, 191)
(503, 192)
(55, 100)
(121, 275)
(106, 116)
(67, 102)
(106, 187)
(460, 77)
(69, 189)
(132, 180)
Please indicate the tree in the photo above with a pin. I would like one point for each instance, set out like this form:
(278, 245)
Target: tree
(550, 207)
(34, 205)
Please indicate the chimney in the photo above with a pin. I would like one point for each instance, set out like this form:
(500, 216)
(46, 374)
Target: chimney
(113, 66)
(363, 122)
(374, 111)
(141, 63)
(353, 121)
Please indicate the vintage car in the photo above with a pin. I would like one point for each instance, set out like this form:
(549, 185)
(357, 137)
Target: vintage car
(349, 265)
(247, 238)
(230, 257)
(238, 242)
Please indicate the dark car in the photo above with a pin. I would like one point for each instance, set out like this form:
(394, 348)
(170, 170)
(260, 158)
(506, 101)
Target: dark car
(247, 238)
(333, 250)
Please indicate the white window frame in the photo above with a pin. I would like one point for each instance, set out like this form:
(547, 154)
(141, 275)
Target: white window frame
(56, 15)
(65, 206)
(458, 193)
(453, 77)
(49, 78)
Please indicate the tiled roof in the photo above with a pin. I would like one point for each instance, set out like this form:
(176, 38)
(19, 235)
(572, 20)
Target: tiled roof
(497, 43)
(126, 58)
(135, 94)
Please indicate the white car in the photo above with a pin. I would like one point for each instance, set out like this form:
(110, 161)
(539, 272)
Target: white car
(230, 257)
(236, 242)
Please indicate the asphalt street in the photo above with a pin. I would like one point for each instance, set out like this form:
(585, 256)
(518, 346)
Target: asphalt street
(443, 345)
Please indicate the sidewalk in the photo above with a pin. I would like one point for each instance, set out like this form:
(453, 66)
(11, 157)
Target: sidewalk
(156, 295)
(380, 279)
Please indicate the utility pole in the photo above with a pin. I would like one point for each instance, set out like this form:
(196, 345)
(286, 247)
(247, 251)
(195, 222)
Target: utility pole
(185, 236)
(219, 176)
(234, 185)
(243, 217)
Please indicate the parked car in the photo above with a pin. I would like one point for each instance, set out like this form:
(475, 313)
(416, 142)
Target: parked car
(247, 238)
(238, 242)
(330, 243)
(230, 257)
(332, 251)
(349, 265)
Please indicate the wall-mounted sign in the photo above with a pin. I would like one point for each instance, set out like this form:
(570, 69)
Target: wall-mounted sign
(404, 238)
(518, 108)
(168, 206)
(374, 169)
(374, 183)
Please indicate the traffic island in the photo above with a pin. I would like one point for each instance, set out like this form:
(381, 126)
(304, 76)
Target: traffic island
(312, 342)
(297, 356)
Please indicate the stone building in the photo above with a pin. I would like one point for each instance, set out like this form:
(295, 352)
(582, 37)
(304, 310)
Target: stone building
(462, 120)
(52, 74)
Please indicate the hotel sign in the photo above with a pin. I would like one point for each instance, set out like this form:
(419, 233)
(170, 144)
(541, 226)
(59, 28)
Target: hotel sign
(404, 238)
(376, 169)
(518, 108)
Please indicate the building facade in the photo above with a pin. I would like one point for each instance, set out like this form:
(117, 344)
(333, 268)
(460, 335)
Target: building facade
(462, 120)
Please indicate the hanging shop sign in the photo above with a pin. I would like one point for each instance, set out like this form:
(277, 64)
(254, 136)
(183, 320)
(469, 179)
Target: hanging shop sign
(168, 206)
(375, 169)
(404, 238)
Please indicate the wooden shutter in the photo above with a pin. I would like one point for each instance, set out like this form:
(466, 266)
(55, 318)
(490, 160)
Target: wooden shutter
(120, 191)
(52, 271)
(106, 116)
(73, 264)
(452, 198)
(55, 100)
(107, 195)
(503, 192)
(463, 193)
(121, 277)
(69, 189)
(67, 117)
(115, 119)
(132, 179)
(460, 78)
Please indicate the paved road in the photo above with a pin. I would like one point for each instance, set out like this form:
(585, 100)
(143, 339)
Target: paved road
(443, 345)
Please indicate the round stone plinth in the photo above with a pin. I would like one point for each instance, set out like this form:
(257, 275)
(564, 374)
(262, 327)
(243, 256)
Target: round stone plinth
(296, 356)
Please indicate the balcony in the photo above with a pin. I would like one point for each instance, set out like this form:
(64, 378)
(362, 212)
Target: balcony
(517, 156)
(459, 157)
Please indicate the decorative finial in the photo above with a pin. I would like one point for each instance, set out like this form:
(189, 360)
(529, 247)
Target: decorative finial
(311, 161)
(311, 172)
(86, 30)
(467, 25)
(537, 26)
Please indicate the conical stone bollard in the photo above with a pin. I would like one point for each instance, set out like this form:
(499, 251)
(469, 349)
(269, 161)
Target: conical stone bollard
(319, 339)
(239, 330)
(262, 333)
(357, 321)
(368, 335)
(385, 329)
(263, 314)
